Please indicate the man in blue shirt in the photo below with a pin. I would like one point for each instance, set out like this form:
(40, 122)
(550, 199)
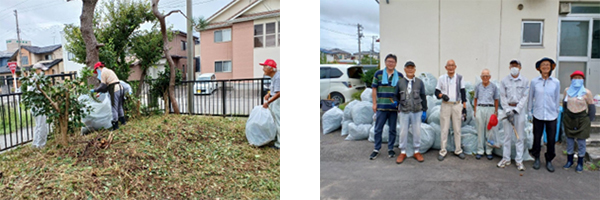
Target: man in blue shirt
(544, 98)
(385, 103)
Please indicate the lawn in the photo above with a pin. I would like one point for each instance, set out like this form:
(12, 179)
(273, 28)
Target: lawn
(158, 157)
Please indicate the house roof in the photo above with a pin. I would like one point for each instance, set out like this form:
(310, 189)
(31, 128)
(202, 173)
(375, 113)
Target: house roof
(42, 50)
(6, 70)
(183, 33)
(366, 53)
(267, 14)
(222, 10)
(6, 54)
(338, 51)
(245, 9)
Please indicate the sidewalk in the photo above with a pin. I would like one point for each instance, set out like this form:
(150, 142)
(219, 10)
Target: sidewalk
(347, 173)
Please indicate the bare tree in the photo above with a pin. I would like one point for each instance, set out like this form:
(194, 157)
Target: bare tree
(163, 30)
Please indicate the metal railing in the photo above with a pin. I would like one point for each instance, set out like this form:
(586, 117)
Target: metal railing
(17, 123)
(234, 98)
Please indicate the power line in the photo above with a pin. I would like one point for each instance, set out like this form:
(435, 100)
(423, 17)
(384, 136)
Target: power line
(339, 23)
(13, 6)
(334, 31)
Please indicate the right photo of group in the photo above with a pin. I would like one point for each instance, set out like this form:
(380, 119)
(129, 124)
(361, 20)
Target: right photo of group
(465, 99)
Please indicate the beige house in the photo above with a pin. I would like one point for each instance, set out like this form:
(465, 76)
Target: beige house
(488, 34)
(239, 36)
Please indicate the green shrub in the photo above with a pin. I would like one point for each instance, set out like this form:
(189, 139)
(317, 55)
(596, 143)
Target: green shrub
(367, 77)
(356, 95)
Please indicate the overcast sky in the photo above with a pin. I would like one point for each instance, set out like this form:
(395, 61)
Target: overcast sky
(338, 24)
(41, 21)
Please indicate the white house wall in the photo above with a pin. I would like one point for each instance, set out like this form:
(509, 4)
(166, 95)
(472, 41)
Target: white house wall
(264, 6)
(69, 65)
(476, 34)
(261, 54)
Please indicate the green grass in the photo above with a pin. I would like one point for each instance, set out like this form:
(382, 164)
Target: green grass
(158, 157)
(12, 121)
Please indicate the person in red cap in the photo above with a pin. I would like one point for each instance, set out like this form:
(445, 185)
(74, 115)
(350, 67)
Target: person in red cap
(486, 104)
(578, 112)
(272, 97)
(109, 82)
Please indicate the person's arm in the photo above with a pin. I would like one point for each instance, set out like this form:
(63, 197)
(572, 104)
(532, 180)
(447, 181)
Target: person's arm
(102, 88)
(529, 96)
(503, 97)
(495, 99)
(463, 97)
(438, 89)
(474, 107)
(423, 97)
(438, 94)
(591, 105)
(275, 97)
(557, 95)
(374, 85)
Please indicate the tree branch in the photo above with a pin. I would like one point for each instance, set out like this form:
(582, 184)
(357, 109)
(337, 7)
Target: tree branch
(54, 105)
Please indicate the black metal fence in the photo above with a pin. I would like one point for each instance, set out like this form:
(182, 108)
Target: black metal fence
(234, 98)
(16, 122)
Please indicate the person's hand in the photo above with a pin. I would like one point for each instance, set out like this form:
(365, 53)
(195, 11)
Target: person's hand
(267, 97)
(266, 105)
(510, 115)
(374, 107)
(92, 91)
(464, 114)
(445, 97)
(424, 117)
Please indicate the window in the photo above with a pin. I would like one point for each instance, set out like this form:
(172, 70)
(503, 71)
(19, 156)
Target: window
(48, 57)
(266, 35)
(183, 45)
(223, 35)
(223, 66)
(324, 72)
(70, 56)
(585, 8)
(532, 33)
(24, 60)
(335, 73)
(574, 38)
(258, 35)
(596, 39)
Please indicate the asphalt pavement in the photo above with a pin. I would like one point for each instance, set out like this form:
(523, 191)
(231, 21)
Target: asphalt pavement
(347, 173)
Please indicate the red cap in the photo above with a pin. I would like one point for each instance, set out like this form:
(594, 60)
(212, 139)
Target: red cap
(493, 122)
(98, 64)
(269, 62)
(580, 73)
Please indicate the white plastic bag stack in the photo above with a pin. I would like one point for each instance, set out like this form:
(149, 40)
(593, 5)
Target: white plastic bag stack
(367, 95)
(260, 127)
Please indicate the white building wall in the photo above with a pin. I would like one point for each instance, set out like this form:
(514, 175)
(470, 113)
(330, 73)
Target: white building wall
(476, 34)
(69, 65)
(261, 54)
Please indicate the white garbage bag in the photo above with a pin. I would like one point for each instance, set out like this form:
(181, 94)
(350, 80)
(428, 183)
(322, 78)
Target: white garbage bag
(260, 127)
(385, 134)
(513, 152)
(345, 127)
(429, 81)
(348, 110)
(433, 115)
(367, 95)
(432, 102)
(362, 113)
(469, 142)
(40, 131)
(358, 132)
(332, 120)
(100, 116)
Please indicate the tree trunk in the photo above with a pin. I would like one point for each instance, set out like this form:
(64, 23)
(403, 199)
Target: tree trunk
(142, 80)
(165, 99)
(163, 31)
(87, 32)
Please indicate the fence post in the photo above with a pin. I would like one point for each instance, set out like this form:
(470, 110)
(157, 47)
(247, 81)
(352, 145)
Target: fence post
(224, 98)
(260, 94)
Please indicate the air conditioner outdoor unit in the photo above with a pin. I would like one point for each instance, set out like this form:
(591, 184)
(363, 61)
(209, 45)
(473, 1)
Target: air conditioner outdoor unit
(565, 8)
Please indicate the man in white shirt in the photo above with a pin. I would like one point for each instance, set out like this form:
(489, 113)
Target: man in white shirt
(451, 89)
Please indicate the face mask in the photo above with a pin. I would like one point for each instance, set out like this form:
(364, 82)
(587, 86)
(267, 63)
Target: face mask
(514, 71)
(577, 83)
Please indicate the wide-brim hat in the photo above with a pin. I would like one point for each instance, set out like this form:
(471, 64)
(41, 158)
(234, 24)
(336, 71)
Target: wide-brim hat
(552, 63)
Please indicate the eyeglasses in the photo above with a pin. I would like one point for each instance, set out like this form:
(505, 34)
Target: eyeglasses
(485, 76)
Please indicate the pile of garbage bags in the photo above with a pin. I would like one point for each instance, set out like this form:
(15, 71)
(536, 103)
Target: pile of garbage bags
(357, 123)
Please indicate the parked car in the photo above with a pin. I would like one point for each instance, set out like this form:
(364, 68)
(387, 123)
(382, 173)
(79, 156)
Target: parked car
(340, 81)
(207, 84)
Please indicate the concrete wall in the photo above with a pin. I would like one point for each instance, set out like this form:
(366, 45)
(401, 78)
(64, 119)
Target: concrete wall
(476, 34)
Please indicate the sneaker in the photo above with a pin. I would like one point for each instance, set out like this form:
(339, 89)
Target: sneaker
(490, 157)
(520, 167)
(391, 153)
(440, 157)
(373, 155)
(503, 163)
(461, 156)
(478, 156)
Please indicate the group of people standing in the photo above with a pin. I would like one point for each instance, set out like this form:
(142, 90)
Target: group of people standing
(397, 95)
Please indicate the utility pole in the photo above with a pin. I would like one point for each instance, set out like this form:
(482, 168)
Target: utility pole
(19, 56)
(360, 35)
(190, 56)
(372, 50)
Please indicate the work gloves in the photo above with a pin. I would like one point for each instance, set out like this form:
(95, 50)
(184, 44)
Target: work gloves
(511, 115)
(92, 91)
(464, 114)
(445, 97)
(424, 117)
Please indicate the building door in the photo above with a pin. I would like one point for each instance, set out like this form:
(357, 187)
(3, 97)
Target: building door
(579, 46)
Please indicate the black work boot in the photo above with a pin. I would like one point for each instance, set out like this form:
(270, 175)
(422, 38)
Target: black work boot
(115, 125)
(536, 163)
(549, 166)
(122, 120)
